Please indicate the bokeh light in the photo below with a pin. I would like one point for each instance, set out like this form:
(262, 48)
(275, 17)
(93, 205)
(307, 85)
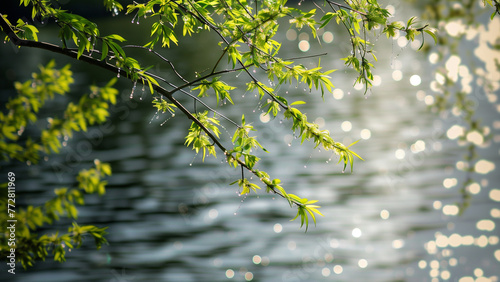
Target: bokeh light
(229, 273)
(291, 35)
(484, 167)
(397, 75)
(415, 80)
(338, 93)
(304, 45)
(346, 126)
(356, 232)
(328, 37)
(366, 134)
(362, 263)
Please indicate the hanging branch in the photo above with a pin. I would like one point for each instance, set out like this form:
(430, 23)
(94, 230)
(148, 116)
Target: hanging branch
(162, 91)
(236, 23)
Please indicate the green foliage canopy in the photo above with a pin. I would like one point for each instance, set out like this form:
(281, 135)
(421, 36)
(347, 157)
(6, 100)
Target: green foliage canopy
(247, 32)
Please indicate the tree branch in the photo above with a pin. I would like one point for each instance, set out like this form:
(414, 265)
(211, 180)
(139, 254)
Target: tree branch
(162, 91)
(346, 7)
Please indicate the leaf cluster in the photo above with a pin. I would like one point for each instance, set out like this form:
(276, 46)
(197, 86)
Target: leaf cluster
(247, 38)
(29, 245)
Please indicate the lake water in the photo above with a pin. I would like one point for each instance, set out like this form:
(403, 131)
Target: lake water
(172, 217)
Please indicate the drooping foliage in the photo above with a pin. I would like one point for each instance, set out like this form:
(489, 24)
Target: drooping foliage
(246, 31)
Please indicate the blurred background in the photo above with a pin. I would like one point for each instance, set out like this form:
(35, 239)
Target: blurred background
(172, 217)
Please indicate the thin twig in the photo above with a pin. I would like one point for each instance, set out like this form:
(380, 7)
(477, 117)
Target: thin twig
(346, 7)
(159, 56)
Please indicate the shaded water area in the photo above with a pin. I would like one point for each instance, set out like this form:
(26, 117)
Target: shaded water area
(172, 217)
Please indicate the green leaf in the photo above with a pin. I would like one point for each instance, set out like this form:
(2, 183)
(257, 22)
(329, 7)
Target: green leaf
(104, 50)
(432, 34)
(8, 132)
(116, 37)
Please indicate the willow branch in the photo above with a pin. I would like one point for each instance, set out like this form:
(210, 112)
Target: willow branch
(107, 66)
(346, 7)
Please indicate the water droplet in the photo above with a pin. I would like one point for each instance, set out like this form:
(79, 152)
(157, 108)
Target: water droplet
(326, 161)
(343, 171)
(173, 115)
(235, 213)
(133, 89)
(289, 144)
(190, 164)
(305, 166)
